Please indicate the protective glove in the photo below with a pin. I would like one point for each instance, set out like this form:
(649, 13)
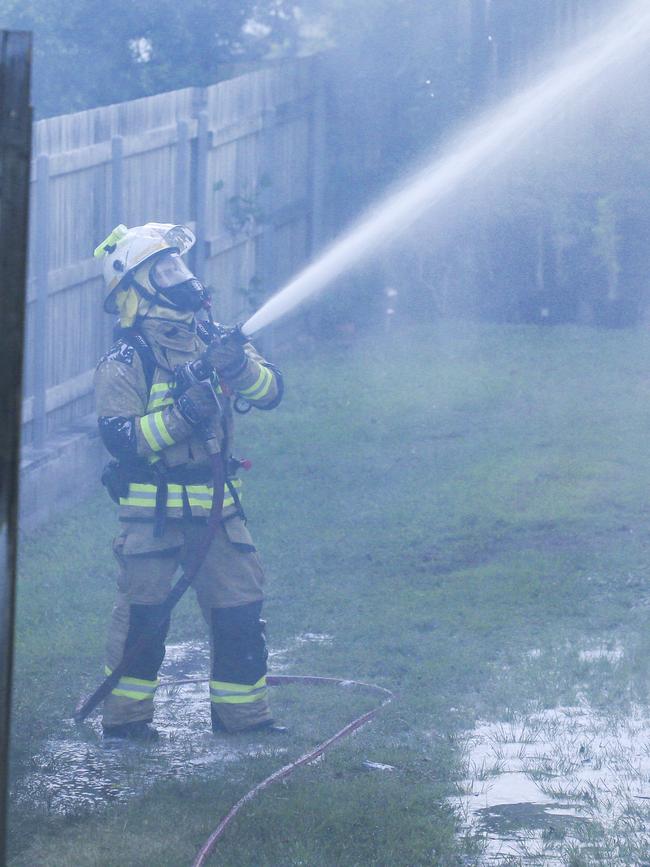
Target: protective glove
(228, 357)
(198, 404)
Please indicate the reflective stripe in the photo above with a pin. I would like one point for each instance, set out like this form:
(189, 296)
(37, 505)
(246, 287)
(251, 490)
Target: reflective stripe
(141, 494)
(135, 688)
(199, 496)
(155, 432)
(157, 402)
(237, 693)
(160, 396)
(261, 388)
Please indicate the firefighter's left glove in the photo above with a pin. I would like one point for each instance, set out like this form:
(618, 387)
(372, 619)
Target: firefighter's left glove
(198, 404)
(228, 357)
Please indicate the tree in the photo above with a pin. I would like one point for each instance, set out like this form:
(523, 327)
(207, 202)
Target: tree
(93, 52)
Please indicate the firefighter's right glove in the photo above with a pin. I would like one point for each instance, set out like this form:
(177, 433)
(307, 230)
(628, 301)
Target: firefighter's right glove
(228, 357)
(198, 404)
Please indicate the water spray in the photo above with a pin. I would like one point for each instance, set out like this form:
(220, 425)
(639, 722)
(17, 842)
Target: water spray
(482, 146)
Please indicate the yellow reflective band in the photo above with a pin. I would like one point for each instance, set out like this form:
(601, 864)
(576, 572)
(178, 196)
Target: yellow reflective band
(266, 388)
(158, 402)
(256, 385)
(137, 681)
(159, 395)
(238, 699)
(199, 496)
(222, 692)
(135, 688)
(237, 687)
(154, 431)
(261, 388)
(132, 694)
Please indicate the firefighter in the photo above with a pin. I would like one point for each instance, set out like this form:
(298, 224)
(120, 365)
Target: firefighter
(161, 478)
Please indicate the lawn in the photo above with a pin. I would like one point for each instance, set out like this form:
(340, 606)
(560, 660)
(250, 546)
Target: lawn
(460, 511)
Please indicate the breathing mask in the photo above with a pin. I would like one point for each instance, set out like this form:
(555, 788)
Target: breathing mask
(168, 282)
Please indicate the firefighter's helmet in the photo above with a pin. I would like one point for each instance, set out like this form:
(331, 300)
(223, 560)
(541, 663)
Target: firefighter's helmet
(125, 250)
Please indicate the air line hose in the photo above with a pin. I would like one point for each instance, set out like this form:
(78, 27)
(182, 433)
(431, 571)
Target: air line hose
(209, 845)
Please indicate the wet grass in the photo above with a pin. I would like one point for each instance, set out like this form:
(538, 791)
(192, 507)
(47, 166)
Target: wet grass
(463, 509)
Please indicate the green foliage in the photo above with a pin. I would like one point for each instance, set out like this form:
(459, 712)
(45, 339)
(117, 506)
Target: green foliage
(130, 48)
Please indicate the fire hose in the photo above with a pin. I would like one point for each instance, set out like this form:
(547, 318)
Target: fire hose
(208, 847)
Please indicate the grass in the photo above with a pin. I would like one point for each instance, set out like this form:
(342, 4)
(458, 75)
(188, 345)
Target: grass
(462, 508)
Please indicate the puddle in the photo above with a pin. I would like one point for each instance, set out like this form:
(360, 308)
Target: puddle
(74, 773)
(609, 652)
(278, 657)
(313, 638)
(558, 781)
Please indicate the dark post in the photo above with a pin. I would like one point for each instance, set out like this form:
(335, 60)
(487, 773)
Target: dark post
(42, 268)
(15, 147)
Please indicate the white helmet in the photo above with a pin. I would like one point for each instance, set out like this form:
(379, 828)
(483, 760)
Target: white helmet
(125, 250)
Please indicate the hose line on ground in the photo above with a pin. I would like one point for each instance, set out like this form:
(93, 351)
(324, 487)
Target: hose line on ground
(209, 846)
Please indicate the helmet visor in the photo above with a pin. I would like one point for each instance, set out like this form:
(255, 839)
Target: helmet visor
(168, 271)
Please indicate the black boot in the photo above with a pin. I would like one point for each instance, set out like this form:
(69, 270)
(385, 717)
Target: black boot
(269, 726)
(140, 731)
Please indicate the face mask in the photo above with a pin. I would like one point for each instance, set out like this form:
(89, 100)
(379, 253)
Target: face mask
(175, 285)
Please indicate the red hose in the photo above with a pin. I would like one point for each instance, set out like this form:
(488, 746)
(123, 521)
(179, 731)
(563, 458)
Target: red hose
(279, 680)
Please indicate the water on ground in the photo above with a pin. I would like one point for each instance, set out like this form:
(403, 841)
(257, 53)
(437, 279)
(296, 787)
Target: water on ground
(75, 772)
(559, 781)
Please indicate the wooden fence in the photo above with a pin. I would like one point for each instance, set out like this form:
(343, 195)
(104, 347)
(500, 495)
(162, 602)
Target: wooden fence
(237, 161)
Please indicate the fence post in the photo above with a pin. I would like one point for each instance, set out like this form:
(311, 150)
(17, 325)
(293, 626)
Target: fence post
(202, 151)
(181, 187)
(117, 180)
(42, 268)
(266, 245)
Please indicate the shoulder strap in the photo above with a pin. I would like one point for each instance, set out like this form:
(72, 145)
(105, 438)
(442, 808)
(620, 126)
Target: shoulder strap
(145, 353)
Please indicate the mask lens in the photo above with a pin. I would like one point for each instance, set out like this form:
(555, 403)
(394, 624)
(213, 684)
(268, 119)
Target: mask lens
(187, 296)
(169, 271)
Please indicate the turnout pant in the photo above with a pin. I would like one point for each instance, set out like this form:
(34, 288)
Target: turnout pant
(229, 591)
